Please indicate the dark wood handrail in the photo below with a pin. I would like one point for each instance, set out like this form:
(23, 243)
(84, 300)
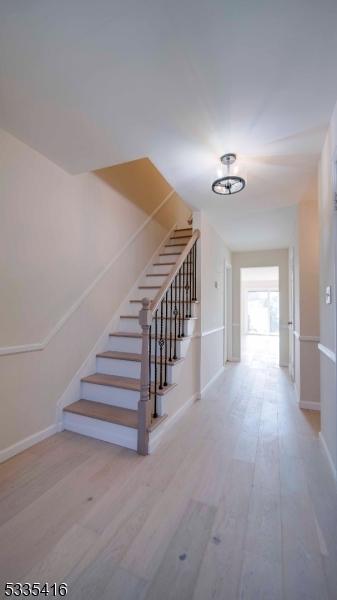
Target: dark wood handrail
(175, 269)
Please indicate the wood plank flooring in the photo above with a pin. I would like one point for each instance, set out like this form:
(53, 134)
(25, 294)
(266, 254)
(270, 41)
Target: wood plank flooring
(237, 502)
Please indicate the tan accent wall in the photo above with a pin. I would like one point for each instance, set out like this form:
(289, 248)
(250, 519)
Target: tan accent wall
(307, 370)
(58, 233)
(328, 251)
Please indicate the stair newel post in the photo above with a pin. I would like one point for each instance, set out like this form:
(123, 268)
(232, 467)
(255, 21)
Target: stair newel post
(144, 405)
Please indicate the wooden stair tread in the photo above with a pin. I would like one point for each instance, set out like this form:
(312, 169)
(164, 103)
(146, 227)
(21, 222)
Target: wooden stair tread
(181, 237)
(104, 412)
(136, 334)
(156, 421)
(133, 356)
(170, 254)
(127, 383)
(157, 274)
(168, 318)
(184, 229)
(149, 287)
(174, 245)
(161, 264)
(140, 301)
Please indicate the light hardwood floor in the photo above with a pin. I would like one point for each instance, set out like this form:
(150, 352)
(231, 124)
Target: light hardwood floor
(238, 502)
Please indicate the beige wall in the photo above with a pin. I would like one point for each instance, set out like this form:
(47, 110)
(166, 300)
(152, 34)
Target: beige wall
(263, 258)
(306, 322)
(214, 255)
(63, 239)
(327, 220)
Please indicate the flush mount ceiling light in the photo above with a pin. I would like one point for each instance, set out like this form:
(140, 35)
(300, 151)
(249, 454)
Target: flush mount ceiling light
(230, 184)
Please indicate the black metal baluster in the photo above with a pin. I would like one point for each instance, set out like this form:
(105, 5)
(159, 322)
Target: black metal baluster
(166, 323)
(190, 283)
(171, 319)
(161, 344)
(150, 364)
(175, 312)
(183, 301)
(155, 364)
(185, 288)
(179, 302)
(195, 271)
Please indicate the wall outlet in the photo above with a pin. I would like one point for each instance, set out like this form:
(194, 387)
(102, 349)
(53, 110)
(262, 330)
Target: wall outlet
(328, 294)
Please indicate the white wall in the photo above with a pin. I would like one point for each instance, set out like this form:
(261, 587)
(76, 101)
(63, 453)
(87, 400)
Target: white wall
(263, 258)
(214, 255)
(327, 219)
(71, 247)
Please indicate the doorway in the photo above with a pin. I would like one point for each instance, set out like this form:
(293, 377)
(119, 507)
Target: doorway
(260, 315)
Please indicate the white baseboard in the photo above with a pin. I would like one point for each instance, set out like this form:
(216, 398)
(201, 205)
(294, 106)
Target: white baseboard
(328, 456)
(28, 442)
(156, 436)
(310, 405)
(234, 359)
(205, 388)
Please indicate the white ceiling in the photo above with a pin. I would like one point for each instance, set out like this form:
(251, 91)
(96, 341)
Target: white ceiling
(91, 84)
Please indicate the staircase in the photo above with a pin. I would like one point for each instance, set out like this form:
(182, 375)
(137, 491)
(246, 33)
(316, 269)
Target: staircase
(140, 361)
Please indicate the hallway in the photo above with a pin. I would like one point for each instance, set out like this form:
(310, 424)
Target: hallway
(236, 503)
(260, 349)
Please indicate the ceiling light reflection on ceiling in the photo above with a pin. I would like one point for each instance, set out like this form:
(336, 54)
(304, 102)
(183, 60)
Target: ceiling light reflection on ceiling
(230, 183)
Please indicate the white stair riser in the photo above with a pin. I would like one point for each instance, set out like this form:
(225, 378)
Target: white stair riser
(139, 294)
(154, 280)
(125, 344)
(161, 269)
(167, 259)
(133, 325)
(169, 249)
(110, 395)
(180, 239)
(101, 430)
(134, 308)
(126, 368)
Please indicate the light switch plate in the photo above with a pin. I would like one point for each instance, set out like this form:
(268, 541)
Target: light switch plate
(328, 294)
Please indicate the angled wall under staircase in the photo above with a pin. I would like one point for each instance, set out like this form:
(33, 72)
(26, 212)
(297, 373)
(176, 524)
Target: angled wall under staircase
(108, 405)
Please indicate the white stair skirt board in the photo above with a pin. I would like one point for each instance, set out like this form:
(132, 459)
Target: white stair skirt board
(126, 368)
(157, 434)
(327, 455)
(310, 405)
(101, 430)
(107, 394)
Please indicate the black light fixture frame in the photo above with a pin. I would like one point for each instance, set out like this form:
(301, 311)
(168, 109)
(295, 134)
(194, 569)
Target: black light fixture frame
(228, 159)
